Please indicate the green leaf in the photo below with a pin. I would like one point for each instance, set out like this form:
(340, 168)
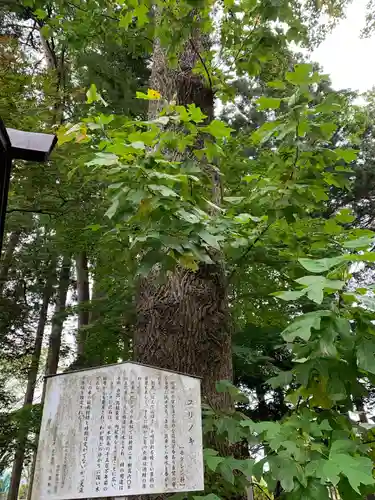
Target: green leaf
(301, 74)
(364, 257)
(327, 106)
(163, 190)
(210, 239)
(93, 96)
(321, 281)
(342, 326)
(46, 31)
(103, 159)
(230, 427)
(366, 355)
(316, 286)
(244, 218)
(210, 496)
(138, 145)
(268, 103)
(188, 216)
(289, 294)
(232, 390)
(213, 462)
(348, 155)
(126, 20)
(234, 200)
(327, 129)
(342, 446)
(94, 227)
(302, 325)
(303, 127)
(313, 491)
(281, 380)
(239, 242)
(196, 114)
(218, 129)
(209, 452)
(272, 429)
(112, 209)
(357, 469)
(178, 496)
(277, 84)
(246, 467)
(331, 227)
(40, 14)
(141, 12)
(227, 472)
(345, 216)
(330, 471)
(360, 243)
(321, 265)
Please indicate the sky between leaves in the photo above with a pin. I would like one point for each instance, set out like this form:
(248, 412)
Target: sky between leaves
(345, 56)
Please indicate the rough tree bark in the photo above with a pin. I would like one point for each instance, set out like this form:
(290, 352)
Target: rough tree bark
(31, 381)
(54, 345)
(83, 293)
(6, 261)
(184, 323)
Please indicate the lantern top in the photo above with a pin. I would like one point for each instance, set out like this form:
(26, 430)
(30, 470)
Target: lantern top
(30, 146)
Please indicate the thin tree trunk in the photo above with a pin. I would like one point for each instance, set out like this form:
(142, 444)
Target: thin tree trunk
(83, 293)
(361, 411)
(96, 358)
(31, 383)
(250, 492)
(184, 324)
(95, 310)
(6, 262)
(54, 346)
(58, 319)
(364, 420)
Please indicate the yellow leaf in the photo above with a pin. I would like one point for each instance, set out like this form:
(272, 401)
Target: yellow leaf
(154, 94)
(187, 260)
(81, 137)
(82, 134)
(145, 206)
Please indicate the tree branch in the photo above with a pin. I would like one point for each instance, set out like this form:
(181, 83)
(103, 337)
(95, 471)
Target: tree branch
(202, 61)
(262, 490)
(31, 210)
(260, 235)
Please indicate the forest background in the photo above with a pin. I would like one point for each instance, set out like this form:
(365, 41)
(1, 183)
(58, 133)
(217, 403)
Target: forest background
(209, 209)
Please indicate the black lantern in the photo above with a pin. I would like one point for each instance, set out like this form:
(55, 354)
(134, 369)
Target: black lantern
(19, 145)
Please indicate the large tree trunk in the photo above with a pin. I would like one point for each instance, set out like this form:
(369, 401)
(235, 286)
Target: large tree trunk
(183, 324)
(31, 383)
(83, 293)
(6, 261)
(54, 345)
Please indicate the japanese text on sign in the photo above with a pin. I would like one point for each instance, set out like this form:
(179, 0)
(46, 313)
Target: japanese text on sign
(119, 430)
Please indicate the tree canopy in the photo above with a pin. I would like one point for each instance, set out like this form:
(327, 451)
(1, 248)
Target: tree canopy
(208, 209)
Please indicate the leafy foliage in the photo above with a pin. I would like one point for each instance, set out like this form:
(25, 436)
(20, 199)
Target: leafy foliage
(134, 193)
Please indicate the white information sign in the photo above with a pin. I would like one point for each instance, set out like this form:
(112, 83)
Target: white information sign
(119, 430)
